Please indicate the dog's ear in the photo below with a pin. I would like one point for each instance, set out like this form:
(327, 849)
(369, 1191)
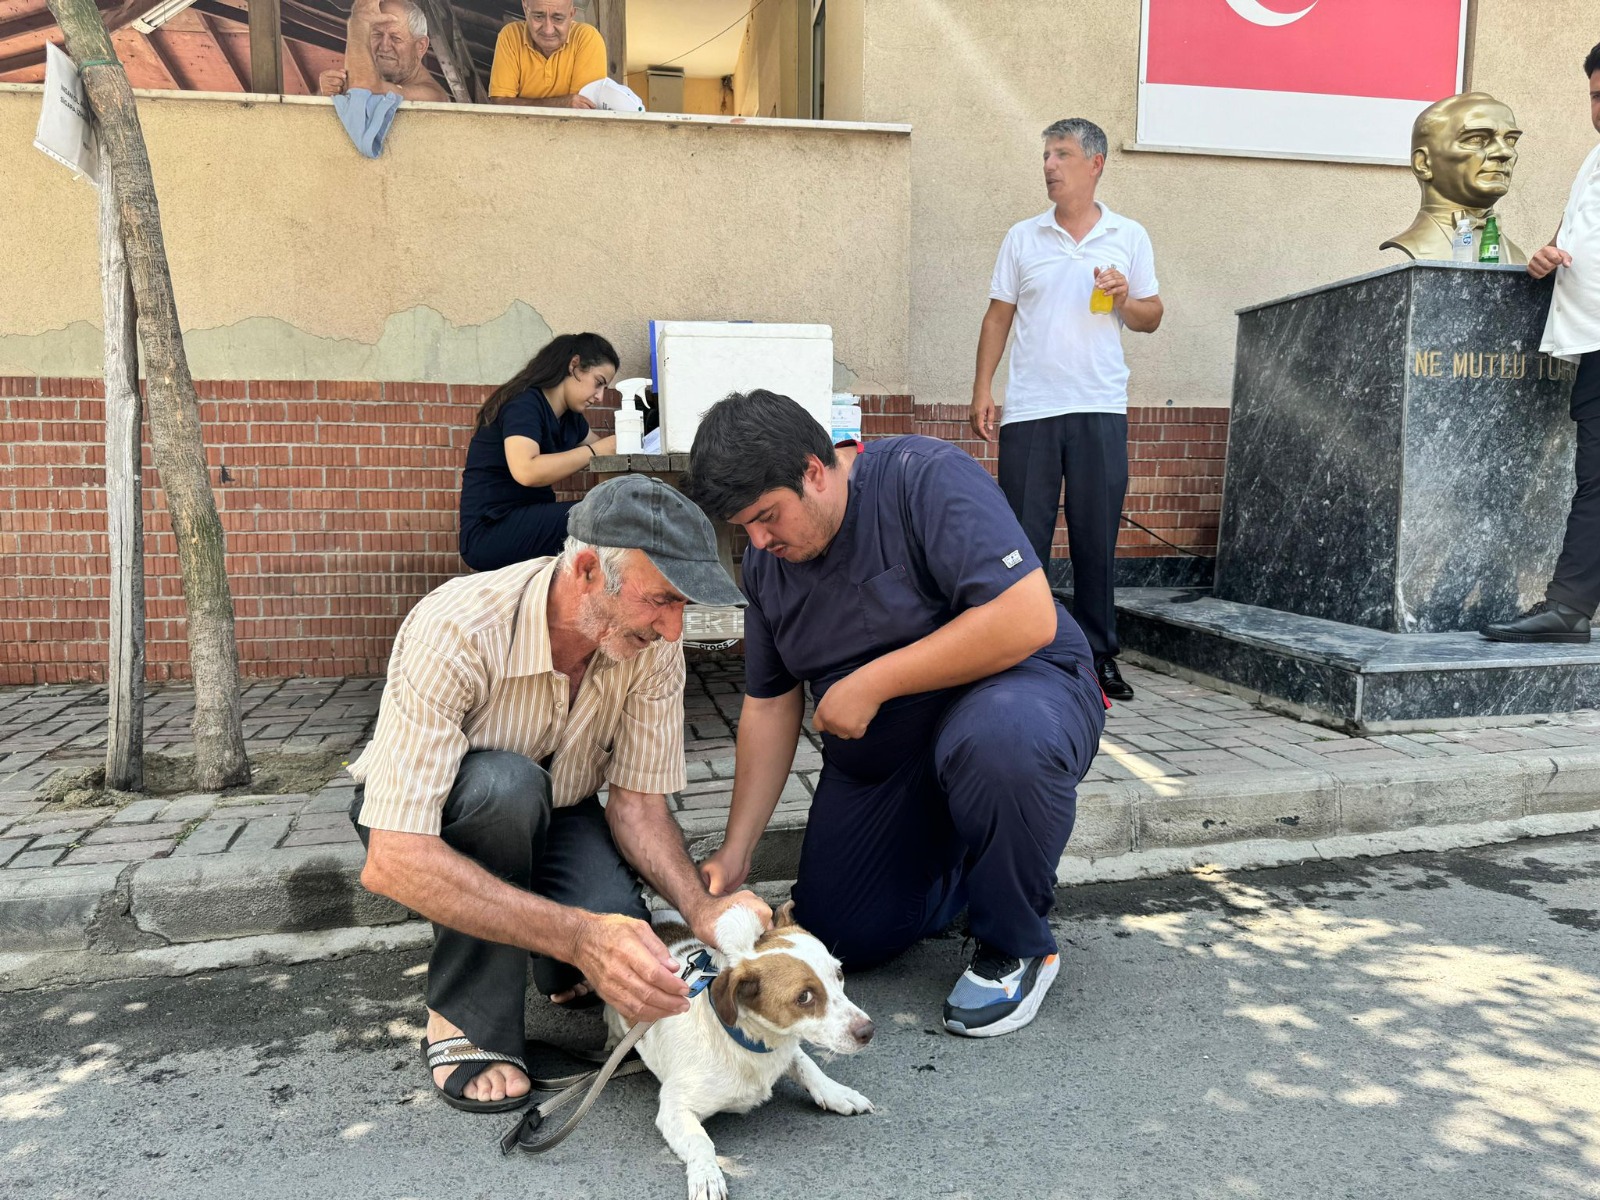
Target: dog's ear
(730, 989)
(785, 915)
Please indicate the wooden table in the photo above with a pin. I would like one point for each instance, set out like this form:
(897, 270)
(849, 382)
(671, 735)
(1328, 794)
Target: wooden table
(700, 623)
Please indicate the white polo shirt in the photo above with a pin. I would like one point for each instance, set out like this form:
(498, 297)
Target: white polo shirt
(1573, 327)
(1065, 359)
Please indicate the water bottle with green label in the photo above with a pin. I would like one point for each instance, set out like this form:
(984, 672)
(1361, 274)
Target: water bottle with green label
(1489, 248)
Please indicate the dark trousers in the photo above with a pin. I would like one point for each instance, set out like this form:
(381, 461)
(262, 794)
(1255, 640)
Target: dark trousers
(533, 531)
(1577, 579)
(499, 814)
(951, 799)
(1090, 452)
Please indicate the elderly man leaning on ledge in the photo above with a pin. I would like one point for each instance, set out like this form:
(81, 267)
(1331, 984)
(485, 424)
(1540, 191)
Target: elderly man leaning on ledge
(513, 696)
(547, 58)
(383, 52)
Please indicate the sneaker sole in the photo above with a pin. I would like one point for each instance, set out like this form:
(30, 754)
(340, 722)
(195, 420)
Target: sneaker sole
(1578, 639)
(1023, 1013)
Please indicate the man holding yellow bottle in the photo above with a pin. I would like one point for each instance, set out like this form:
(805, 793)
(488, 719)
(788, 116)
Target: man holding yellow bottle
(1069, 280)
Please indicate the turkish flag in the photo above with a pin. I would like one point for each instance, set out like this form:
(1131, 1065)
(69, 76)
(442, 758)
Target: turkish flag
(1396, 49)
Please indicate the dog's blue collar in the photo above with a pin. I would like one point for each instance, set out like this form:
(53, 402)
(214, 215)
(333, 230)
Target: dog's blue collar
(698, 973)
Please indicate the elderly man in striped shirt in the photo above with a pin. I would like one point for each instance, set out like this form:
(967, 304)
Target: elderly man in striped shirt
(512, 697)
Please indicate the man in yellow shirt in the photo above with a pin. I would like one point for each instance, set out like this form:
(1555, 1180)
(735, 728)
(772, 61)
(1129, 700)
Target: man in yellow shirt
(547, 58)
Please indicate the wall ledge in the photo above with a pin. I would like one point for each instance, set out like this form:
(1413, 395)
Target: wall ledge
(514, 112)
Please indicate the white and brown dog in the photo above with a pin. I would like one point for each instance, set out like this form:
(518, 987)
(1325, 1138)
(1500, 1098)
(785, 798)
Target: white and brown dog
(773, 990)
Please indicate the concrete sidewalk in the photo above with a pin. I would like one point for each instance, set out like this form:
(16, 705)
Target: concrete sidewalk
(1186, 775)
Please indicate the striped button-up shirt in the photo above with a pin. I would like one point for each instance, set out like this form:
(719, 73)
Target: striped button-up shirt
(471, 670)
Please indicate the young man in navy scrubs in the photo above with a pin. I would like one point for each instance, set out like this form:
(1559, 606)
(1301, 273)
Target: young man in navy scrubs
(956, 699)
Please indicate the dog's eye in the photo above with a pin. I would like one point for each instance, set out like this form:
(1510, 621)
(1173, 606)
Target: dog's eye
(804, 999)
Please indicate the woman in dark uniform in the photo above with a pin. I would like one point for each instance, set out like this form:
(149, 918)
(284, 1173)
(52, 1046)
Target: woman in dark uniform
(530, 435)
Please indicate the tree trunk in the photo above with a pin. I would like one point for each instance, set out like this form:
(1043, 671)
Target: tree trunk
(174, 411)
(124, 509)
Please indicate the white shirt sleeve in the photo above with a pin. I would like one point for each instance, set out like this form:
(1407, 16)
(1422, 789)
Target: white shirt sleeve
(1142, 270)
(1006, 282)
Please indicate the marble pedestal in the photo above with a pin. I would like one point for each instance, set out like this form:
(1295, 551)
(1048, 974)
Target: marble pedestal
(1399, 452)
(1399, 471)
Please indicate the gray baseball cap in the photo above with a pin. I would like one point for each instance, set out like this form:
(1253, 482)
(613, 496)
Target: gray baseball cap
(637, 512)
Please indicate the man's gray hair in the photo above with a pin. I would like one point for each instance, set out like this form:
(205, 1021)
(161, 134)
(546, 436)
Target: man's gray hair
(416, 19)
(611, 558)
(1090, 137)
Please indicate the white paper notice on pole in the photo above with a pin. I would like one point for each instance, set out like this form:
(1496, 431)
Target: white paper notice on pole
(1320, 79)
(67, 130)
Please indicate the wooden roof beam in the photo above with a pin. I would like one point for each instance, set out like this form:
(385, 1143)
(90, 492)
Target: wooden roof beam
(266, 47)
(221, 42)
(168, 64)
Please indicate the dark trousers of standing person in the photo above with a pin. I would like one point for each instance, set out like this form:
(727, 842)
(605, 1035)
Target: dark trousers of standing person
(499, 815)
(1576, 582)
(1090, 452)
(959, 798)
(532, 531)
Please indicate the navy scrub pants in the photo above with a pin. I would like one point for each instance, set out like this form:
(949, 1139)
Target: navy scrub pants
(951, 799)
(1090, 452)
(499, 814)
(532, 531)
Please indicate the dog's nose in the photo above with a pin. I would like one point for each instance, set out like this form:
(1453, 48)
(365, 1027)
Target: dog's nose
(862, 1031)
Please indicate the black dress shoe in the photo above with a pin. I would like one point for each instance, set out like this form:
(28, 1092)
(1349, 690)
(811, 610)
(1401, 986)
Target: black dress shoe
(1546, 621)
(1111, 681)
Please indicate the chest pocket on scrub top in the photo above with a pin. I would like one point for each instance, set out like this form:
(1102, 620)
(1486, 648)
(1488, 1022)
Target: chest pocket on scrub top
(895, 614)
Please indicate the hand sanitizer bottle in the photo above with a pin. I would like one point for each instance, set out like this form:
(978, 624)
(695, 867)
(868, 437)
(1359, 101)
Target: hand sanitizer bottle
(1461, 248)
(630, 418)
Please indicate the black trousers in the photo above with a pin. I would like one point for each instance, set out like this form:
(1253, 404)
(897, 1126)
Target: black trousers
(533, 531)
(1090, 452)
(1577, 579)
(499, 814)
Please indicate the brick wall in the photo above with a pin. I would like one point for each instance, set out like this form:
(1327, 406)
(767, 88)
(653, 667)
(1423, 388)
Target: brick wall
(1175, 459)
(339, 503)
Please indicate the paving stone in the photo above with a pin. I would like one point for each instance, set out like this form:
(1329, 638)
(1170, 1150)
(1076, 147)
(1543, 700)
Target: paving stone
(326, 836)
(704, 785)
(326, 820)
(252, 812)
(10, 847)
(150, 831)
(209, 837)
(262, 833)
(119, 852)
(697, 772)
(60, 837)
(794, 789)
(703, 800)
(78, 818)
(139, 810)
(331, 800)
(189, 808)
(37, 858)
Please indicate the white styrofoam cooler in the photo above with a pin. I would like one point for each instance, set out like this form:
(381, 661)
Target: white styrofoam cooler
(700, 362)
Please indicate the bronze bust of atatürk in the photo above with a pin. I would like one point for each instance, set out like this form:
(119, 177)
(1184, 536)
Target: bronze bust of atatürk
(1463, 149)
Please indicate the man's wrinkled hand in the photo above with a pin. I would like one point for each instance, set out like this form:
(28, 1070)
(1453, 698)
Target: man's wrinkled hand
(366, 12)
(706, 918)
(1546, 259)
(631, 969)
(331, 83)
(847, 708)
(579, 101)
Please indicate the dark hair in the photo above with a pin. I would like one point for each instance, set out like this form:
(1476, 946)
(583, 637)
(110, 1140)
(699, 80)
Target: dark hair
(1592, 63)
(751, 443)
(548, 368)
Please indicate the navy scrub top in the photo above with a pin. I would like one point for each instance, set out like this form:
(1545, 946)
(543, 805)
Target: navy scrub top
(488, 489)
(927, 534)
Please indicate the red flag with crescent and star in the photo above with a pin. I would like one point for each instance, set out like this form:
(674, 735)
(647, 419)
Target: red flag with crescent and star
(1308, 78)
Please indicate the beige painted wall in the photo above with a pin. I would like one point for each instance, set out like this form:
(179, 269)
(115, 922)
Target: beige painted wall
(703, 96)
(478, 232)
(766, 80)
(978, 83)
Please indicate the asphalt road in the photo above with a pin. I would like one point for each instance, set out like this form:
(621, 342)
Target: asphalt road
(1418, 1026)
